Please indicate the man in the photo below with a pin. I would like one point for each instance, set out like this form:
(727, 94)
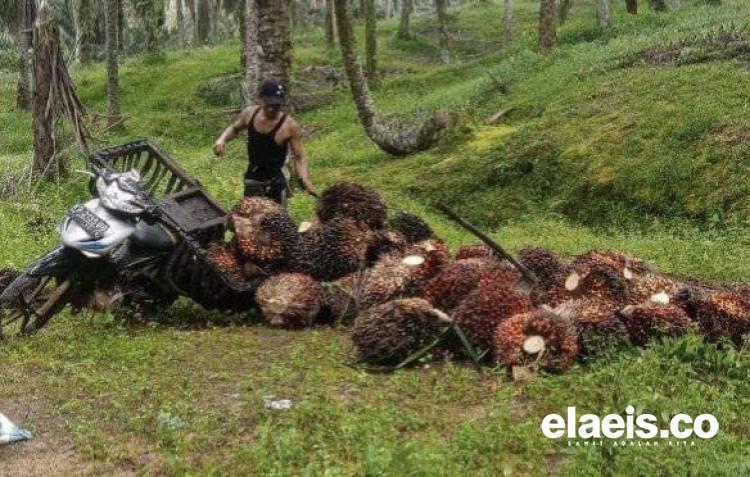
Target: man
(270, 135)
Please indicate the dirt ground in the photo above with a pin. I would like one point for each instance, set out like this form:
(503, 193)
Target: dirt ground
(49, 452)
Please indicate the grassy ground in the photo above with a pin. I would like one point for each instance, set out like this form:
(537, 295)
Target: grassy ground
(602, 149)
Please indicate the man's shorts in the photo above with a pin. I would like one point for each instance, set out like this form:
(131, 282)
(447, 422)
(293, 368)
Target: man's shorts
(274, 189)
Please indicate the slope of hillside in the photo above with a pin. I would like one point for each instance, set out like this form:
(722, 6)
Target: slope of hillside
(634, 138)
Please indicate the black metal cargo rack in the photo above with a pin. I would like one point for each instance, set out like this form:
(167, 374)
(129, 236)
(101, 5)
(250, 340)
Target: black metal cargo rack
(176, 193)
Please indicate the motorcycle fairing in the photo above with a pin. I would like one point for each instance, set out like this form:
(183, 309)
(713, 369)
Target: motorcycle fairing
(75, 237)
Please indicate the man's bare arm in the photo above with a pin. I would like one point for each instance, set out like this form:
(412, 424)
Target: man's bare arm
(301, 163)
(242, 122)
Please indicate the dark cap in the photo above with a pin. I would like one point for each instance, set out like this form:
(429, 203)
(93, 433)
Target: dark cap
(273, 92)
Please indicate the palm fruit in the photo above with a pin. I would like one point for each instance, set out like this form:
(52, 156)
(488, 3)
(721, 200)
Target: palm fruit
(291, 300)
(333, 250)
(487, 306)
(624, 264)
(223, 257)
(720, 314)
(653, 287)
(264, 235)
(553, 293)
(456, 280)
(390, 278)
(539, 336)
(397, 276)
(479, 250)
(502, 274)
(650, 321)
(435, 255)
(413, 228)
(389, 333)
(250, 207)
(544, 263)
(603, 283)
(384, 242)
(596, 281)
(597, 323)
(354, 201)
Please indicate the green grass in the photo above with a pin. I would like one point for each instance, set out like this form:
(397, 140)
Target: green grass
(598, 152)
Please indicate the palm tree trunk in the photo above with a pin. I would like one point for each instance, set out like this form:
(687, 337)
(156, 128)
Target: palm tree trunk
(23, 91)
(371, 44)
(241, 9)
(397, 139)
(203, 21)
(147, 14)
(442, 16)
(330, 32)
(275, 40)
(191, 4)
(180, 24)
(54, 96)
(404, 28)
(251, 49)
(83, 19)
(215, 13)
(602, 13)
(508, 22)
(658, 5)
(113, 86)
(547, 24)
(120, 27)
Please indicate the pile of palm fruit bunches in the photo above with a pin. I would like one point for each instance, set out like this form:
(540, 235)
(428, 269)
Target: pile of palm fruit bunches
(397, 286)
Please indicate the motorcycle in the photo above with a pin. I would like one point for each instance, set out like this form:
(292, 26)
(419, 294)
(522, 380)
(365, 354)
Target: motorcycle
(112, 253)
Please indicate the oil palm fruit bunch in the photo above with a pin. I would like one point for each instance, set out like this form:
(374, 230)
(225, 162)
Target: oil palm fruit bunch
(433, 254)
(600, 282)
(354, 201)
(479, 250)
(720, 314)
(334, 249)
(598, 325)
(384, 242)
(651, 321)
(290, 300)
(653, 287)
(412, 227)
(625, 265)
(264, 232)
(596, 281)
(390, 278)
(454, 282)
(485, 308)
(222, 255)
(250, 207)
(540, 337)
(544, 263)
(399, 275)
(389, 333)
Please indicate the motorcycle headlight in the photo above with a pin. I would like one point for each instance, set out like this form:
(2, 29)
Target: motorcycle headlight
(119, 192)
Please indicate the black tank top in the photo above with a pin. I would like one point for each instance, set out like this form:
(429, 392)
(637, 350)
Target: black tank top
(265, 156)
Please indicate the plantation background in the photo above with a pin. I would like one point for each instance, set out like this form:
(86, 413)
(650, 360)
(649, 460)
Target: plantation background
(609, 144)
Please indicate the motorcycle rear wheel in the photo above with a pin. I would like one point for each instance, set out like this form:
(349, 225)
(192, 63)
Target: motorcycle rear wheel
(30, 302)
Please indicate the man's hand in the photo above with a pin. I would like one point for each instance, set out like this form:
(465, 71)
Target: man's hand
(311, 190)
(218, 148)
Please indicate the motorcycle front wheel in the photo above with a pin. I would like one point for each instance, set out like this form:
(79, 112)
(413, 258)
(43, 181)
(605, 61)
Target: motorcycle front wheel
(29, 302)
